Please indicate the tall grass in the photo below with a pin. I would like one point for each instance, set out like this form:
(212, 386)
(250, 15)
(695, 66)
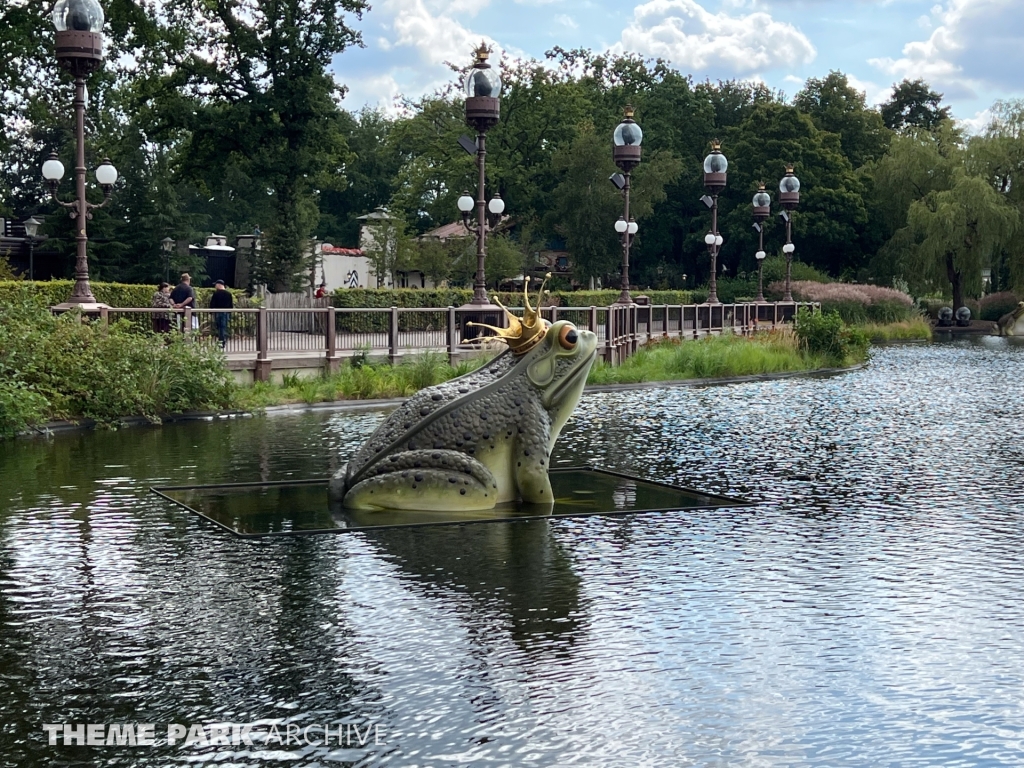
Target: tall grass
(709, 358)
(907, 330)
(358, 382)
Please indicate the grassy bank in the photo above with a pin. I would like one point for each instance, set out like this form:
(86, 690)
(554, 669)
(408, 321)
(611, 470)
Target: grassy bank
(712, 357)
(917, 329)
(356, 382)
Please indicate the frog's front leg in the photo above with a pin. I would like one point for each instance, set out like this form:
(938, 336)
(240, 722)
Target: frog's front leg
(531, 462)
(438, 480)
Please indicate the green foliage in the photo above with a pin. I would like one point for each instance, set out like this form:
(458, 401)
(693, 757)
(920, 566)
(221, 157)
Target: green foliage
(709, 358)
(825, 334)
(366, 381)
(837, 107)
(51, 292)
(917, 329)
(386, 298)
(996, 305)
(913, 105)
(67, 367)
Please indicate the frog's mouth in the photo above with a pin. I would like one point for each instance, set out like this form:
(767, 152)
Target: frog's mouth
(554, 395)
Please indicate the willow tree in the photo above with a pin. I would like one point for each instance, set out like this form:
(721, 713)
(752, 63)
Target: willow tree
(956, 232)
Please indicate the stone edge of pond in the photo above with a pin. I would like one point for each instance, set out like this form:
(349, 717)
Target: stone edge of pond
(56, 427)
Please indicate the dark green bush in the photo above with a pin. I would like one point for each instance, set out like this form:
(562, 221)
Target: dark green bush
(47, 293)
(996, 305)
(825, 334)
(64, 367)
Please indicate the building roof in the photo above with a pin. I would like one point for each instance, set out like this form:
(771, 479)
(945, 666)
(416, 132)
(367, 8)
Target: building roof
(377, 214)
(446, 231)
(328, 248)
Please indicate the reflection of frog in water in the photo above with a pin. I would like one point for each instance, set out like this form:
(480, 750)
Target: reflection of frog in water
(480, 439)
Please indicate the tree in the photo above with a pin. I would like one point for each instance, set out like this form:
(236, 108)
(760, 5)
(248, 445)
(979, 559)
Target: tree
(389, 248)
(258, 99)
(913, 105)
(837, 107)
(956, 231)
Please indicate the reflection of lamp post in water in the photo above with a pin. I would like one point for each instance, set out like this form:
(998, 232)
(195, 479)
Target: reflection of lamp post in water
(79, 48)
(762, 210)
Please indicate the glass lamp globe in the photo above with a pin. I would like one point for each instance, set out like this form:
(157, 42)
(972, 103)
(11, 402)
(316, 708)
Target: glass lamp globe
(106, 174)
(760, 255)
(715, 163)
(632, 227)
(53, 169)
(788, 248)
(709, 238)
(78, 16)
(719, 239)
(627, 134)
(762, 199)
(482, 79)
(496, 205)
(466, 203)
(621, 225)
(789, 184)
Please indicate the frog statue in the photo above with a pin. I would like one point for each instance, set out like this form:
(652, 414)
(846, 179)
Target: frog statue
(481, 439)
(1012, 323)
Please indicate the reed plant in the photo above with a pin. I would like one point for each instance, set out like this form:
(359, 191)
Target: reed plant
(917, 329)
(363, 381)
(710, 358)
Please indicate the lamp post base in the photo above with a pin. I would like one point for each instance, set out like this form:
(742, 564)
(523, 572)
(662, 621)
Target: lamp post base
(86, 307)
(479, 312)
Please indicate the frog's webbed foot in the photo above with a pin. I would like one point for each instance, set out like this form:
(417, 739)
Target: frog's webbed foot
(429, 480)
(532, 475)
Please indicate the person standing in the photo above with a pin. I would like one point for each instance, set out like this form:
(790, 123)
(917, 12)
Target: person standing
(162, 300)
(184, 296)
(221, 300)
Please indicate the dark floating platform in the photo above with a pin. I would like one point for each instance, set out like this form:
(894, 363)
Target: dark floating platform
(302, 507)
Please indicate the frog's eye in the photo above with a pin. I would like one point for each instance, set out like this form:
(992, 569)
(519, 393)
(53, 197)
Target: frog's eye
(568, 337)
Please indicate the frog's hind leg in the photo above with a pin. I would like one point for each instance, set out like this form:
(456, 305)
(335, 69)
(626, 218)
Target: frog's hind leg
(438, 480)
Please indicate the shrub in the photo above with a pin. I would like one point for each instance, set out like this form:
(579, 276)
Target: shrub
(853, 302)
(67, 367)
(825, 334)
(47, 293)
(996, 305)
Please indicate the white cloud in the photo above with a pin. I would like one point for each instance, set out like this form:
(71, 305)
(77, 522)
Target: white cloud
(566, 21)
(978, 123)
(437, 36)
(977, 45)
(873, 92)
(696, 40)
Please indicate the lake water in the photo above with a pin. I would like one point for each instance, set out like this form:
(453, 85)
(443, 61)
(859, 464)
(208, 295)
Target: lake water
(867, 611)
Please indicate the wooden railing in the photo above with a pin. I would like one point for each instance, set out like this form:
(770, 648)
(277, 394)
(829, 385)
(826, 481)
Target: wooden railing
(318, 335)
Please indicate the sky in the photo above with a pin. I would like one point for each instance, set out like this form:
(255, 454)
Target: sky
(972, 51)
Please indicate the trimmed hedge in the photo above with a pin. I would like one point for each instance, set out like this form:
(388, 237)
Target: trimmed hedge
(50, 292)
(440, 298)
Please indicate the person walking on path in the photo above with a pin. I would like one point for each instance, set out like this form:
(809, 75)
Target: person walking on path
(162, 300)
(221, 299)
(184, 296)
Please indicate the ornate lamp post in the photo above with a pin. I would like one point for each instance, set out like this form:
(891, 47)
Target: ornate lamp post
(483, 108)
(31, 230)
(762, 204)
(167, 246)
(79, 45)
(715, 167)
(789, 197)
(626, 154)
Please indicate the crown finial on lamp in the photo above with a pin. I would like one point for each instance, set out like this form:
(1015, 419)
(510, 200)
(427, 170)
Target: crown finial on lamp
(628, 111)
(482, 52)
(522, 334)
